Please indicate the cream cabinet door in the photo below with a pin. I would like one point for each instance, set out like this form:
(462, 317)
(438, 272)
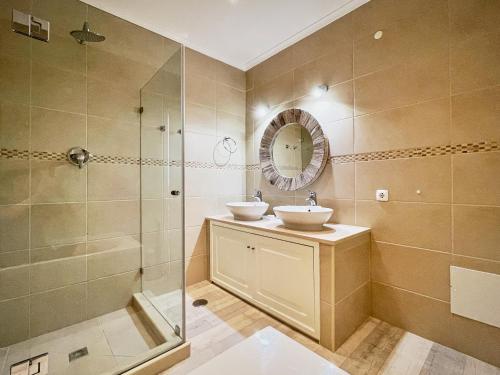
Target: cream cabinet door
(232, 260)
(284, 281)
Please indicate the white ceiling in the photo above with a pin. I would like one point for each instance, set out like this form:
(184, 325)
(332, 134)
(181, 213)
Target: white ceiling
(241, 33)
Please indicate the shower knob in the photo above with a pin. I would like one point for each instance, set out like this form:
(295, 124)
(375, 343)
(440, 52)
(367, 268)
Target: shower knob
(78, 156)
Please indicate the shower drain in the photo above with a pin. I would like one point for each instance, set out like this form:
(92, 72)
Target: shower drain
(200, 302)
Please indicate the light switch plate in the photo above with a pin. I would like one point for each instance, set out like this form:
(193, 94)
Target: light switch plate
(382, 195)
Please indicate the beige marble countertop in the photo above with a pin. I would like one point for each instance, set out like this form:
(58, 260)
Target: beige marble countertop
(331, 235)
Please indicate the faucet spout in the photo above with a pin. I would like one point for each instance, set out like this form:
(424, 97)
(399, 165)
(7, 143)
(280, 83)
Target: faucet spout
(257, 196)
(312, 199)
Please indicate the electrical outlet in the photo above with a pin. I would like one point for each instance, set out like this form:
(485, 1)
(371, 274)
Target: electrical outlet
(382, 195)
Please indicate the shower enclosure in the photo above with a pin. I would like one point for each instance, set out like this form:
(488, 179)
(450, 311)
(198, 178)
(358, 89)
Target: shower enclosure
(91, 190)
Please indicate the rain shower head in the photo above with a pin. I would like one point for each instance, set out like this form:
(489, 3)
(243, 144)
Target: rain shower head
(85, 35)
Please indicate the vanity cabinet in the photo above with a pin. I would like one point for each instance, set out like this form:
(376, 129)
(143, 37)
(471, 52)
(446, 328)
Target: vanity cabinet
(279, 275)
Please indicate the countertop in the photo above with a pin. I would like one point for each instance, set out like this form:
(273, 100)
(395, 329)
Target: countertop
(331, 235)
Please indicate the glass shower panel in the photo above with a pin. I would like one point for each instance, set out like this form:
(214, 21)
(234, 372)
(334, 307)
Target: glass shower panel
(162, 192)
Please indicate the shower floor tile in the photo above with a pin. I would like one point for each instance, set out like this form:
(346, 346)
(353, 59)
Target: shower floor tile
(112, 340)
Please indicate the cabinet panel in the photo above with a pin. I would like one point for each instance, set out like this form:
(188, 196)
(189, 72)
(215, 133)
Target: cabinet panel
(232, 261)
(284, 280)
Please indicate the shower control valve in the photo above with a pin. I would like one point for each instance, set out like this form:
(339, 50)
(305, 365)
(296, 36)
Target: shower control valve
(79, 156)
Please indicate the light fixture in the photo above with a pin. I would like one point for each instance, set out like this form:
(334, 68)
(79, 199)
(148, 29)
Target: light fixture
(319, 91)
(261, 110)
(378, 35)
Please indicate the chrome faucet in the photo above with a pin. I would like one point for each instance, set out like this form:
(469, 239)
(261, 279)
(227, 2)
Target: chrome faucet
(257, 196)
(312, 199)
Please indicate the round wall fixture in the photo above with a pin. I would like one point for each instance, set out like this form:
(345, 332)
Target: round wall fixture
(378, 35)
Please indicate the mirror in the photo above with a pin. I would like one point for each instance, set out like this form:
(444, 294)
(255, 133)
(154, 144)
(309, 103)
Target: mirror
(293, 150)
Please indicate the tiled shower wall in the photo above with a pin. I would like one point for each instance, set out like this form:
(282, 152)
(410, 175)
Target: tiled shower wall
(416, 112)
(69, 237)
(215, 108)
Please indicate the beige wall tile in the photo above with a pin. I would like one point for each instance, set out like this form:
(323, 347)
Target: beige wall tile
(404, 177)
(335, 182)
(196, 269)
(57, 181)
(271, 68)
(276, 91)
(343, 210)
(16, 312)
(113, 181)
(232, 125)
(196, 241)
(14, 227)
(474, 62)
(334, 37)
(113, 261)
(407, 37)
(414, 224)
(326, 70)
(14, 175)
(230, 100)
(475, 116)
(326, 274)
(352, 268)
(197, 209)
(57, 273)
(200, 90)
(199, 147)
(200, 64)
(476, 231)
(14, 258)
(57, 252)
(476, 178)
(154, 143)
(113, 137)
(155, 249)
(111, 293)
(14, 126)
(422, 80)
(476, 264)
(424, 124)
(477, 339)
(421, 271)
(56, 131)
(152, 215)
(64, 16)
(105, 66)
(57, 224)
(200, 119)
(152, 178)
(14, 282)
(230, 76)
(336, 104)
(340, 136)
(62, 52)
(58, 89)
(423, 316)
(108, 100)
(350, 313)
(112, 219)
(473, 17)
(15, 83)
(56, 309)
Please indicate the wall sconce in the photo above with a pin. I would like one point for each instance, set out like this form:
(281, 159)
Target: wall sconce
(378, 35)
(319, 91)
(261, 110)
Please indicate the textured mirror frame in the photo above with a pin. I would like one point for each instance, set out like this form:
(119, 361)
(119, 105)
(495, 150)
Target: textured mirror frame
(319, 156)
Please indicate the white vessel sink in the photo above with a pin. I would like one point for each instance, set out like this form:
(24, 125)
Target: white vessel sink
(247, 210)
(303, 217)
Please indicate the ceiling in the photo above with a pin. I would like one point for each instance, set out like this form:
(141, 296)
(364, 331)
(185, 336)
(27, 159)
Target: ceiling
(241, 33)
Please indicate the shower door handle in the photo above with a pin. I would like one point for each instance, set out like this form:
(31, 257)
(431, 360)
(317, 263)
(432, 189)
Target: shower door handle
(175, 192)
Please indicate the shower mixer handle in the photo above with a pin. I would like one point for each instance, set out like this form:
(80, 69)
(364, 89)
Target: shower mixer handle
(79, 156)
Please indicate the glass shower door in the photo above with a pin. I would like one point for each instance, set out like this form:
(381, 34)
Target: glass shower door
(162, 193)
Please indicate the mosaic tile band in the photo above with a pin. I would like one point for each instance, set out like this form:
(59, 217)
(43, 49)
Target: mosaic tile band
(417, 152)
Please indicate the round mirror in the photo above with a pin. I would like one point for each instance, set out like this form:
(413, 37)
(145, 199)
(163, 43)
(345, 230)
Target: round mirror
(293, 150)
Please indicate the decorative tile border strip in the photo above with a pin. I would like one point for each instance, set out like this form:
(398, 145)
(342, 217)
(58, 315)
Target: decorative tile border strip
(419, 152)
